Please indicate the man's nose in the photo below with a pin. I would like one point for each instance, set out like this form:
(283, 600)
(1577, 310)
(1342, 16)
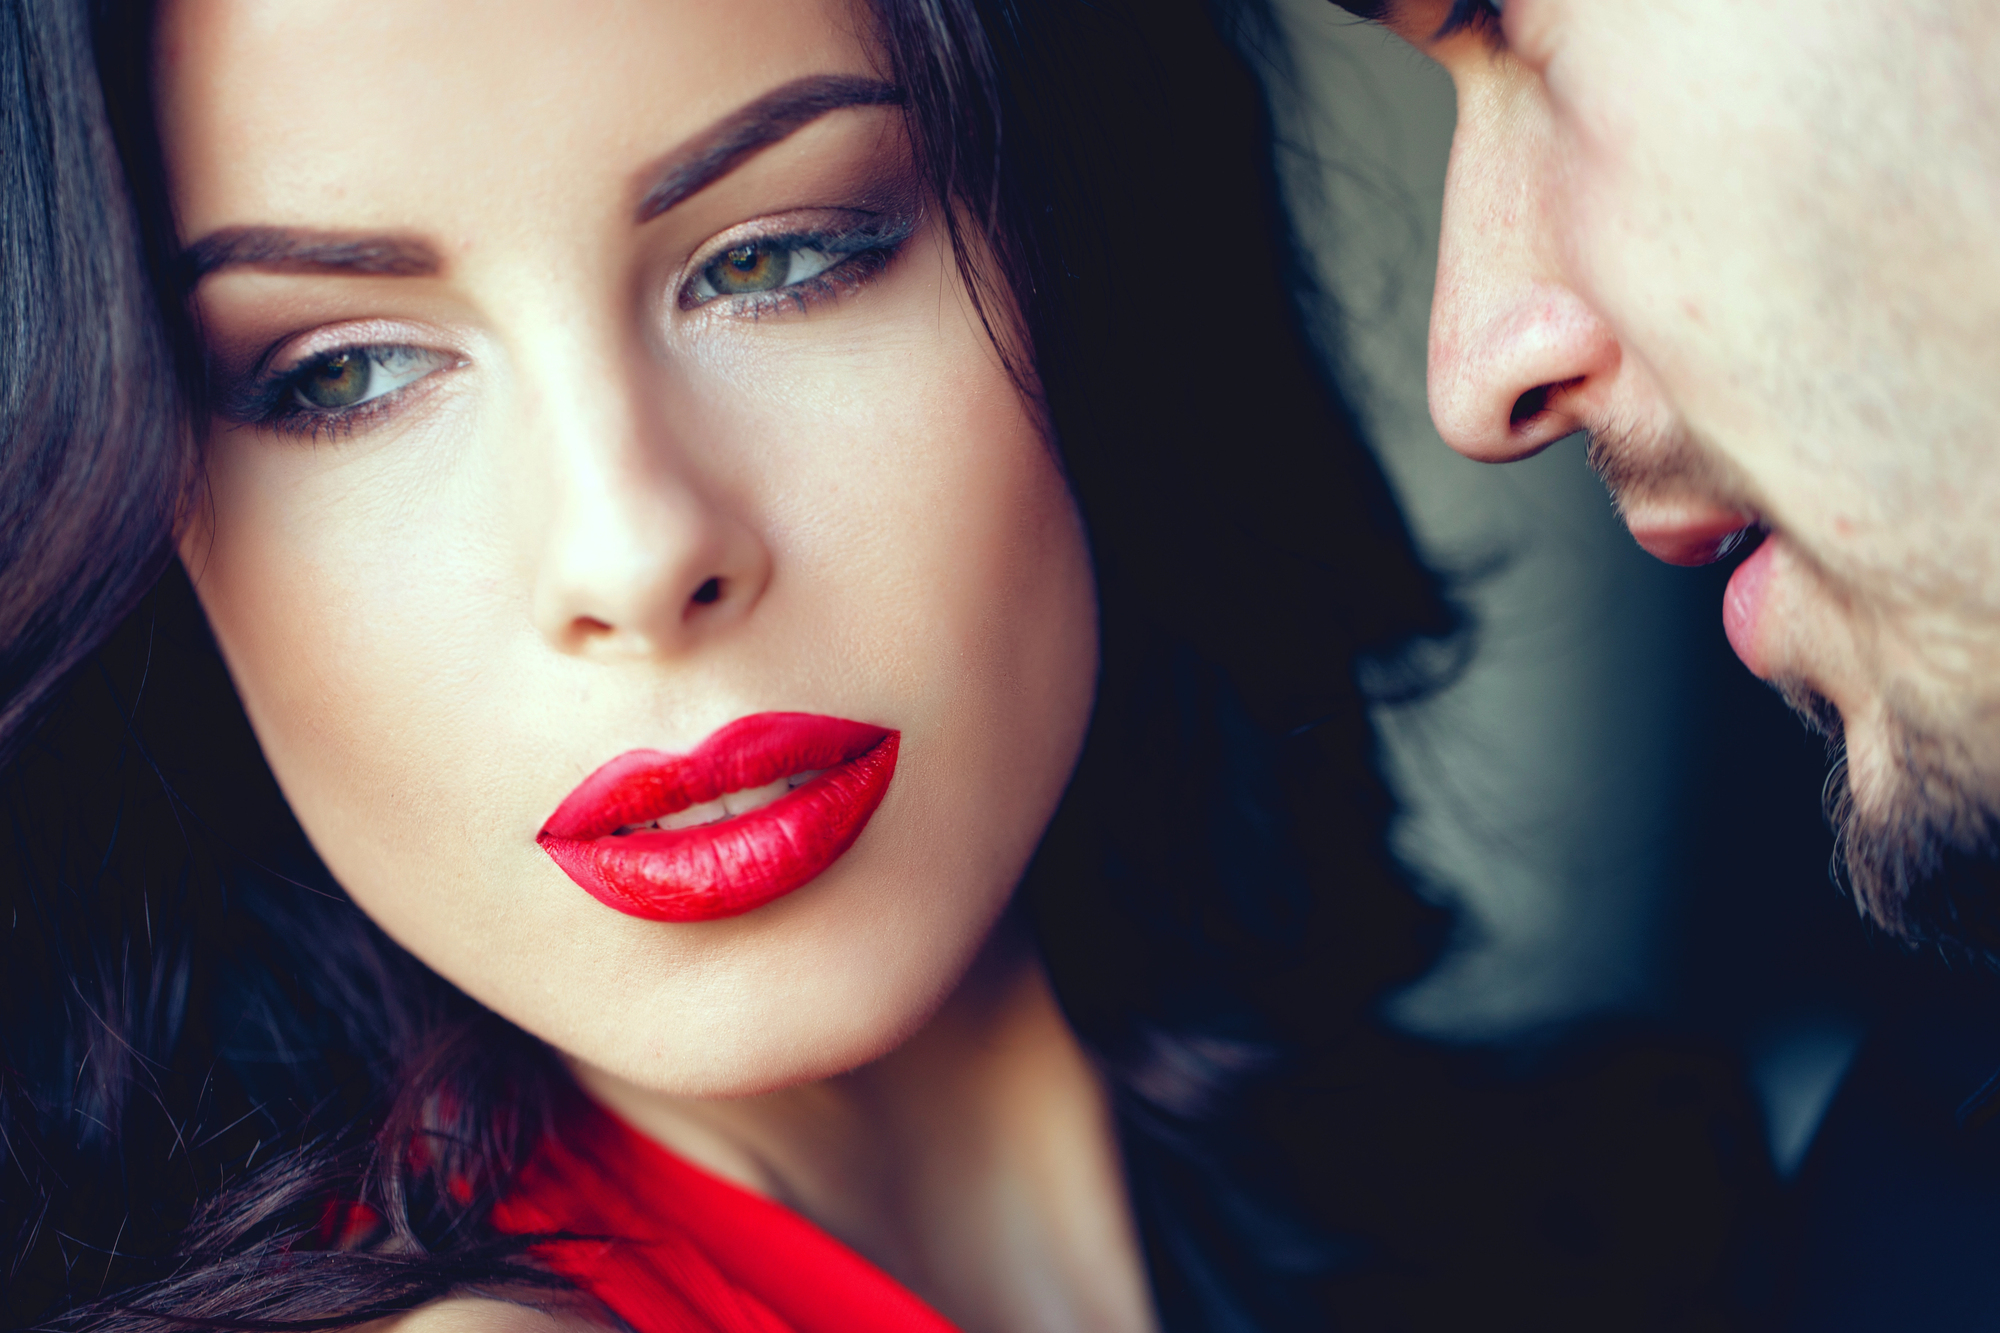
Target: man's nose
(646, 549)
(1514, 351)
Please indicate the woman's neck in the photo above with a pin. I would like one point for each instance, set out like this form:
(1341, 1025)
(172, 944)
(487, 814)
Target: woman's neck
(977, 1163)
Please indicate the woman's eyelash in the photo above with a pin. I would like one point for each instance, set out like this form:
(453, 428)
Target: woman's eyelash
(1470, 15)
(760, 275)
(336, 391)
(341, 390)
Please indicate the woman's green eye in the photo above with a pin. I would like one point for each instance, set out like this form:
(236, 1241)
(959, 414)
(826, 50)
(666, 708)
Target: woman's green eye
(756, 267)
(780, 269)
(765, 266)
(340, 380)
(352, 376)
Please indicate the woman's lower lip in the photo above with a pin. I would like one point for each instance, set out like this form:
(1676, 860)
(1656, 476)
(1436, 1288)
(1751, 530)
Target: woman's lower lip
(738, 864)
(1743, 606)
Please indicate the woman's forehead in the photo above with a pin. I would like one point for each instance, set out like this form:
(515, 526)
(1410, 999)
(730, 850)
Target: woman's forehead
(280, 112)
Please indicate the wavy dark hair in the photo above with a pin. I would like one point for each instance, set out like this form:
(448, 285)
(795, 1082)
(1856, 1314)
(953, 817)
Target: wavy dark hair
(228, 1100)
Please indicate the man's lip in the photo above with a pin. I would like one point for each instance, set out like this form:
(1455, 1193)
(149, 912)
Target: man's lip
(643, 785)
(1743, 603)
(1687, 533)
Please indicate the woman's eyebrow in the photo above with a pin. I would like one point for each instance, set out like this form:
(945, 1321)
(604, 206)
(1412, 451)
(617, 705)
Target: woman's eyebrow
(722, 147)
(303, 250)
(709, 155)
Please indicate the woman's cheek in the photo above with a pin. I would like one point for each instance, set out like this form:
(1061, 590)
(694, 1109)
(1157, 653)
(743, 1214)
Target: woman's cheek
(346, 599)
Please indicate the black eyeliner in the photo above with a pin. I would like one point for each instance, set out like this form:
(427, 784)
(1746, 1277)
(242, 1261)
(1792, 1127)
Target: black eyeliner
(269, 399)
(864, 249)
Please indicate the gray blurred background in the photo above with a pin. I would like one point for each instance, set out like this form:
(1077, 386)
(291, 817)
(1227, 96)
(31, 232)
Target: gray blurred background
(1626, 821)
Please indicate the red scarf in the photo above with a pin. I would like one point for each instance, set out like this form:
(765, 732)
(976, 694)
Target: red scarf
(674, 1249)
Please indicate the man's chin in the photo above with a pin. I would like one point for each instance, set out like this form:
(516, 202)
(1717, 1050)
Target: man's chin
(1918, 832)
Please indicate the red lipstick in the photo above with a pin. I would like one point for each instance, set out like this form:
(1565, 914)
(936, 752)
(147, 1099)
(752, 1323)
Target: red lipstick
(628, 834)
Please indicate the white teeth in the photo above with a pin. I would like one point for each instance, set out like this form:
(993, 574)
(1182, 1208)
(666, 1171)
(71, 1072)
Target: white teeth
(743, 802)
(705, 813)
(729, 804)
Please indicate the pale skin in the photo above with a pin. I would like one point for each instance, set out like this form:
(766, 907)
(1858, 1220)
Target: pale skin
(1750, 248)
(491, 1313)
(594, 512)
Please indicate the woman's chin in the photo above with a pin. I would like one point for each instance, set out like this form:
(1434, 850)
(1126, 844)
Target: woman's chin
(705, 1061)
(755, 1025)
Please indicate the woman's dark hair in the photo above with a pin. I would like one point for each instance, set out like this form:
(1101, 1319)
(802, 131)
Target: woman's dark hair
(228, 1100)
(97, 449)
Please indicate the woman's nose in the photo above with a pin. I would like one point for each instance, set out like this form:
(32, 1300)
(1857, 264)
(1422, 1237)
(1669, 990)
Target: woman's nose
(646, 552)
(1514, 351)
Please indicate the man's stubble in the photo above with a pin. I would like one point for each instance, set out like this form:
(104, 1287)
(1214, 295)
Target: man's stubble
(1921, 854)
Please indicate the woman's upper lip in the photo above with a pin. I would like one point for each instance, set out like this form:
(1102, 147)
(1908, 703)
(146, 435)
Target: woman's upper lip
(1687, 532)
(643, 785)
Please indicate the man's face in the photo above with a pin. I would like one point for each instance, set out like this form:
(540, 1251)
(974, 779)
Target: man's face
(1750, 247)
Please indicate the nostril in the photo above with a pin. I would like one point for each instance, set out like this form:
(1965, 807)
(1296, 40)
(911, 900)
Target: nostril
(1529, 405)
(709, 591)
(1540, 399)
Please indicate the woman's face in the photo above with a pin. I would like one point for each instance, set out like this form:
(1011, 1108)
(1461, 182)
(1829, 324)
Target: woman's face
(566, 409)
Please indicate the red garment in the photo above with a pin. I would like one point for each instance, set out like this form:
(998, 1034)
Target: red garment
(682, 1251)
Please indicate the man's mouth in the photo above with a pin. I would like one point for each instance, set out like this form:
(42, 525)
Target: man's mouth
(1689, 532)
(1701, 532)
(1743, 607)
